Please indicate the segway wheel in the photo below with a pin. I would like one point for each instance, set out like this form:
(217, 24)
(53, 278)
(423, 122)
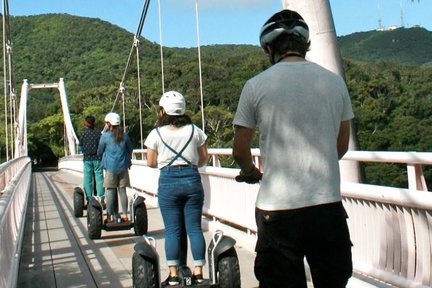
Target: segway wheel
(229, 270)
(141, 220)
(94, 222)
(144, 274)
(78, 201)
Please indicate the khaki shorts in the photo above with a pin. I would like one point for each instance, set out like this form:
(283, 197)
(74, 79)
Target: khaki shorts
(114, 180)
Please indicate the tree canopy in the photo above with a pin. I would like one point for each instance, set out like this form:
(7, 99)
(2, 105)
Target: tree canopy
(388, 77)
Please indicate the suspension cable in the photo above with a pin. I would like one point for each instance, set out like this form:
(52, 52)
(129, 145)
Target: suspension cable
(7, 79)
(12, 98)
(199, 64)
(12, 95)
(132, 51)
(161, 47)
(5, 100)
(139, 92)
(122, 88)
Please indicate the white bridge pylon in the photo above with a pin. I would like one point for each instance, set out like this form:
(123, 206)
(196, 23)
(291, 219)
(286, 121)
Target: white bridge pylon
(21, 135)
(325, 51)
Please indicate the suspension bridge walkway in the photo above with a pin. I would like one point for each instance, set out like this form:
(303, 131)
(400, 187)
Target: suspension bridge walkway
(44, 244)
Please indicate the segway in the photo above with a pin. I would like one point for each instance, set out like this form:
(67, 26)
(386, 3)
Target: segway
(224, 268)
(137, 220)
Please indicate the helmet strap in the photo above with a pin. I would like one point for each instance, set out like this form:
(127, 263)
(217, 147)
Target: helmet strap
(272, 60)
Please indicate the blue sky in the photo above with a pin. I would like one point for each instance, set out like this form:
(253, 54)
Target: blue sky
(225, 21)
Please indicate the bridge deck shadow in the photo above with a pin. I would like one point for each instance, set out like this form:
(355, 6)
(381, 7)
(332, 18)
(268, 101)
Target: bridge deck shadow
(58, 253)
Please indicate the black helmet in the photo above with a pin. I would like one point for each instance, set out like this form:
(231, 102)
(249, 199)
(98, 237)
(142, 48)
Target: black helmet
(283, 22)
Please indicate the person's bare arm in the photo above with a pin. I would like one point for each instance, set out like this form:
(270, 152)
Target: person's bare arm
(242, 152)
(152, 158)
(241, 147)
(343, 138)
(203, 155)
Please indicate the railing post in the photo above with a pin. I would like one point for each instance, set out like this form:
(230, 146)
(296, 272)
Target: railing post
(215, 160)
(416, 180)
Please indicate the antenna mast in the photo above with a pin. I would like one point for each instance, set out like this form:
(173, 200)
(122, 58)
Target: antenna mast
(380, 27)
(401, 15)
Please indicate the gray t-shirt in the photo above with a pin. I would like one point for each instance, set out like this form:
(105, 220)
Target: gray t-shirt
(176, 138)
(298, 107)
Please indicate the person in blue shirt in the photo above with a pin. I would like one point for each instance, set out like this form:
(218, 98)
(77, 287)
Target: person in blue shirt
(88, 144)
(115, 147)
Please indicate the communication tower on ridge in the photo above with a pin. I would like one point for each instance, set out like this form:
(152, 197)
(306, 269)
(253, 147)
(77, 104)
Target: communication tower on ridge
(401, 15)
(380, 27)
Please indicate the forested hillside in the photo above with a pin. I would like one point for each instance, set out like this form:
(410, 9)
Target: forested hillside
(410, 46)
(391, 95)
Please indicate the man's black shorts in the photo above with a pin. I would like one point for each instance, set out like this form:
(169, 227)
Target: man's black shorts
(319, 233)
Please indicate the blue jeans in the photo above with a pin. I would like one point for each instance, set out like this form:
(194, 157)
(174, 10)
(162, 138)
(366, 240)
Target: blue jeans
(93, 168)
(181, 199)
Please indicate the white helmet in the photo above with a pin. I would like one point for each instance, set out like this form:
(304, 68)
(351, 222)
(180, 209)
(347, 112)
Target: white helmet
(113, 118)
(173, 103)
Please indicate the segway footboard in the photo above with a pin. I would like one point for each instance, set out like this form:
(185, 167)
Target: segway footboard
(185, 274)
(187, 280)
(114, 226)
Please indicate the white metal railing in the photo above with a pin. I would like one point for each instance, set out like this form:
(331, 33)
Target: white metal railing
(13, 203)
(9, 169)
(72, 163)
(413, 160)
(391, 232)
(391, 228)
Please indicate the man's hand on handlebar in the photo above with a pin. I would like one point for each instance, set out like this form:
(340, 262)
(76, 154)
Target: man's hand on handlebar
(251, 177)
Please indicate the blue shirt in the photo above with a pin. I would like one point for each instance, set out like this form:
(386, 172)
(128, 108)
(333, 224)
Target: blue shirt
(116, 157)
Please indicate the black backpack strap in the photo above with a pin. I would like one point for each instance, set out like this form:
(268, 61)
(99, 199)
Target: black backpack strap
(178, 154)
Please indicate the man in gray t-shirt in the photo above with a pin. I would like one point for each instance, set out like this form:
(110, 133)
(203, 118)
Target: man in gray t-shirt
(303, 113)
